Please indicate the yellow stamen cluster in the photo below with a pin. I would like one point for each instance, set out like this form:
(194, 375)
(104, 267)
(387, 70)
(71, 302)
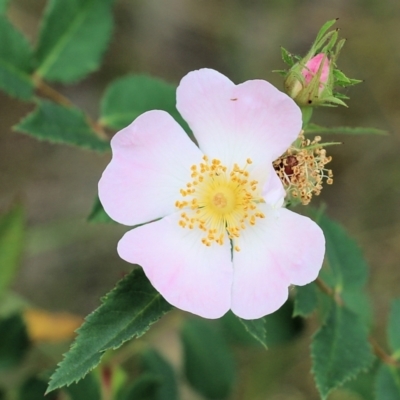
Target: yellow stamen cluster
(219, 202)
(302, 169)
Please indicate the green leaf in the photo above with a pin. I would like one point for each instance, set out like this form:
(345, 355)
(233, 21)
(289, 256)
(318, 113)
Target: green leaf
(34, 389)
(306, 300)
(128, 97)
(144, 388)
(58, 124)
(98, 214)
(127, 312)
(73, 38)
(340, 350)
(363, 384)
(256, 328)
(12, 235)
(14, 341)
(4, 6)
(394, 327)
(156, 365)
(345, 260)
(86, 389)
(345, 130)
(208, 363)
(388, 383)
(15, 61)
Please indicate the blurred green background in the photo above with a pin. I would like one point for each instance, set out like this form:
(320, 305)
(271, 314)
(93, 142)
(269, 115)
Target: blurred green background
(69, 264)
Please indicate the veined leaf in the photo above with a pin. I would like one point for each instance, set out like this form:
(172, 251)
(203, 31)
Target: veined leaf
(345, 260)
(73, 38)
(306, 300)
(394, 328)
(12, 233)
(208, 363)
(340, 350)
(127, 312)
(287, 57)
(256, 328)
(128, 97)
(388, 383)
(166, 385)
(15, 61)
(345, 130)
(58, 124)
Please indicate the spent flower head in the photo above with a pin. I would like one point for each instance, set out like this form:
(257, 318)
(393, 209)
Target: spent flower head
(218, 236)
(312, 79)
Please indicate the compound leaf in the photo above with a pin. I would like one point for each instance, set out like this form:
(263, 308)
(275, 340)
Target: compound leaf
(15, 61)
(340, 350)
(73, 38)
(128, 97)
(127, 312)
(58, 124)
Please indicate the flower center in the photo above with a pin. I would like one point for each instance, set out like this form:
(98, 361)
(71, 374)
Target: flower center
(219, 202)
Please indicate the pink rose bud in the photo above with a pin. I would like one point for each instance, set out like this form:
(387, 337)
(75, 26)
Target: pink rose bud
(312, 67)
(309, 83)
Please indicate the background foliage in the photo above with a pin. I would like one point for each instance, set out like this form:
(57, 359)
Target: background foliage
(68, 264)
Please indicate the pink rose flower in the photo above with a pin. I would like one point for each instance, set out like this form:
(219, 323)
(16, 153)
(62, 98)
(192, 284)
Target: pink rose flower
(220, 238)
(312, 67)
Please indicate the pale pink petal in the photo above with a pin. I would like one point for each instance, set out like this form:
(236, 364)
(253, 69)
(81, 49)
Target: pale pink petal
(150, 164)
(188, 274)
(232, 123)
(282, 249)
(273, 191)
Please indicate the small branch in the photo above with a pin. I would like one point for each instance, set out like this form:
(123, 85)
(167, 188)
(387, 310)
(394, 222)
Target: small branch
(382, 355)
(329, 291)
(47, 91)
(377, 349)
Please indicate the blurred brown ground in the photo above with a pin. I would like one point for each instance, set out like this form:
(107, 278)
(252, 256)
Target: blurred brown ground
(68, 264)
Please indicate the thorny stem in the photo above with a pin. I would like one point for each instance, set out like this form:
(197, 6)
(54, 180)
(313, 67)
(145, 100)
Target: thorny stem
(378, 350)
(47, 91)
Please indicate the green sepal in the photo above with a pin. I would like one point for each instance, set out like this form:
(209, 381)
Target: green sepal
(58, 124)
(127, 312)
(340, 350)
(287, 57)
(16, 62)
(73, 38)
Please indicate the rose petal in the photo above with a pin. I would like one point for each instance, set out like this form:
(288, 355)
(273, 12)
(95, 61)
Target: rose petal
(282, 249)
(190, 275)
(273, 191)
(232, 123)
(150, 164)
